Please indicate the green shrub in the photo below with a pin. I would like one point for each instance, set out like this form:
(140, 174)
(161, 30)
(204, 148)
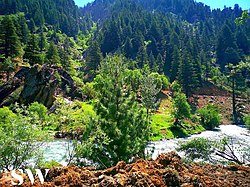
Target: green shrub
(181, 107)
(49, 164)
(20, 139)
(247, 121)
(198, 148)
(210, 117)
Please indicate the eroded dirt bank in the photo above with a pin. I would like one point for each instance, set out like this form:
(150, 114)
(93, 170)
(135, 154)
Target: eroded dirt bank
(166, 170)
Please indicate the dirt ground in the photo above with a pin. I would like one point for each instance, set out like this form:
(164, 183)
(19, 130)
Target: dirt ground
(166, 171)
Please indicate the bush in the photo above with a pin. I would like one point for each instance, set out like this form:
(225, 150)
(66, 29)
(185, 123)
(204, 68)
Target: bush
(247, 121)
(20, 140)
(198, 148)
(40, 112)
(181, 107)
(210, 117)
(70, 115)
(49, 164)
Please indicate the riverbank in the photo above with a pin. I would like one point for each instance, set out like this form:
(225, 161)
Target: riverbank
(57, 149)
(166, 170)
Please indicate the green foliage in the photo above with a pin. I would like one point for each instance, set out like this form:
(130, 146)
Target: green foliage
(227, 49)
(243, 19)
(40, 112)
(20, 139)
(121, 130)
(70, 115)
(10, 45)
(162, 81)
(225, 149)
(52, 56)
(149, 88)
(176, 87)
(94, 56)
(181, 108)
(197, 148)
(210, 117)
(32, 51)
(247, 121)
(9, 66)
(88, 91)
(49, 164)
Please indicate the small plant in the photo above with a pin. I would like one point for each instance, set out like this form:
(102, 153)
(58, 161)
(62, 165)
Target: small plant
(198, 148)
(247, 121)
(210, 117)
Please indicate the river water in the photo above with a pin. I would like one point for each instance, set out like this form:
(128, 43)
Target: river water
(57, 149)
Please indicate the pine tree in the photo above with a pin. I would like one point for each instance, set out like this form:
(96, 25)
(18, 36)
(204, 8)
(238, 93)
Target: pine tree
(32, 26)
(152, 63)
(42, 40)
(112, 39)
(65, 53)
(185, 73)
(160, 63)
(149, 90)
(94, 56)
(10, 45)
(9, 66)
(227, 49)
(181, 107)
(176, 58)
(52, 56)
(24, 30)
(122, 125)
(128, 48)
(32, 51)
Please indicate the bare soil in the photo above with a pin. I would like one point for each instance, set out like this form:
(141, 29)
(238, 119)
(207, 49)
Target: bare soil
(166, 171)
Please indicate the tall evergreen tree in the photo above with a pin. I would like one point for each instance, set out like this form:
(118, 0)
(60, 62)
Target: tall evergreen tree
(52, 55)
(176, 58)
(189, 73)
(32, 51)
(122, 123)
(227, 49)
(42, 40)
(10, 45)
(24, 30)
(128, 48)
(94, 56)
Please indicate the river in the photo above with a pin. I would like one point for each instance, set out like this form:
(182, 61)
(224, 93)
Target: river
(57, 149)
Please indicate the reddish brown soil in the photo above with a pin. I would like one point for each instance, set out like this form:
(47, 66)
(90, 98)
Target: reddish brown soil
(211, 94)
(166, 170)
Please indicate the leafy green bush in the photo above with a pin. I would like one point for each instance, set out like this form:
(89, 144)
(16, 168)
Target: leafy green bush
(225, 149)
(161, 80)
(198, 148)
(70, 115)
(176, 87)
(38, 112)
(49, 164)
(20, 140)
(210, 117)
(181, 108)
(247, 121)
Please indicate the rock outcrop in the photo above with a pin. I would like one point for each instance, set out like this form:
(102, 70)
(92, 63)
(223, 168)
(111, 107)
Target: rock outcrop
(39, 83)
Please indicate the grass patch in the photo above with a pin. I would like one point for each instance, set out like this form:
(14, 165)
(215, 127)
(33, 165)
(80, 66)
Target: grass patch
(162, 124)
